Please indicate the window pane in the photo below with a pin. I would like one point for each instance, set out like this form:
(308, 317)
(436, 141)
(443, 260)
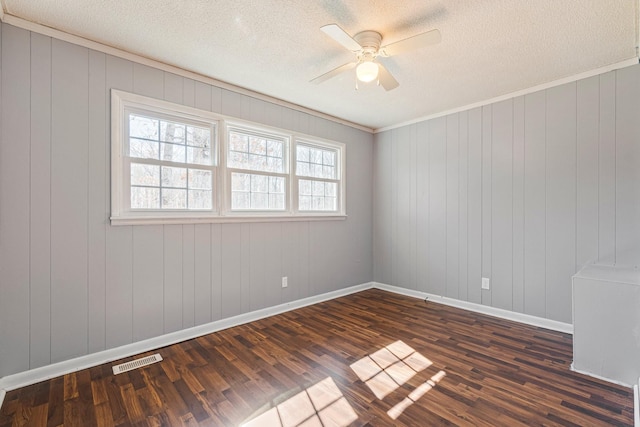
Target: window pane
(200, 199)
(240, 201)
(143, 149)
(259, 183)
(259, 201)
(241, 182)
(172, 132)
(256, 153)
(145, 198)
(148, 175)
(174, 177)
(317, 195)
(199, 179)
(238, 142)
(172, 152)
(174, 199)
(316, 162)
(257, 192)
(198, 137)
(199, 156)
(143, 127)
(257, 146)
(276, 201)
(303, 153)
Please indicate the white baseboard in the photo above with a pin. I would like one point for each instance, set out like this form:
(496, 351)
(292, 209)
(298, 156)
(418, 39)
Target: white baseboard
(599, 377)
(479, 308)
(33, 376)
(22, 379)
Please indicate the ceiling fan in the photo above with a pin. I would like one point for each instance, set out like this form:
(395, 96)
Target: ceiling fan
(366, 46)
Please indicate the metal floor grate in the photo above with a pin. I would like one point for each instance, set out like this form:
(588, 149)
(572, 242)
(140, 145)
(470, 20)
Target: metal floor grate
(135, 364)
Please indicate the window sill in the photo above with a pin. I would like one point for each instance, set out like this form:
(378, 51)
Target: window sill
(155, 220)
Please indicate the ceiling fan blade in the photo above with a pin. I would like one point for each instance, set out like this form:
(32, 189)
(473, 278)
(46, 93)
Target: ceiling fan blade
(326, 76)
(338, 34)
(387, 81)
(412, 43)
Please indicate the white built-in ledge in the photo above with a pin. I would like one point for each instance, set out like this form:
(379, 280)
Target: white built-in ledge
(606, 323)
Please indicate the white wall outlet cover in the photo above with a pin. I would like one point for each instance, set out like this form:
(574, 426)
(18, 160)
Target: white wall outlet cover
(485, 283)
(284, 282)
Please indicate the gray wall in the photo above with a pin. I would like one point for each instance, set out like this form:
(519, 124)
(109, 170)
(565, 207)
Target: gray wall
(523, 191)
(70, 283)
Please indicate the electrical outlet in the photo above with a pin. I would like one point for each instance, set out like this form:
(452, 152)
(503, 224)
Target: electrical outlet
(285, 282)
(485, 283)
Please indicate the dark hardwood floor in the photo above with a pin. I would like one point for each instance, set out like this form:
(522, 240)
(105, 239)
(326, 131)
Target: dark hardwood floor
(373, 358)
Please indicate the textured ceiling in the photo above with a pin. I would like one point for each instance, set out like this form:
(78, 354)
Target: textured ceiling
(489, 48)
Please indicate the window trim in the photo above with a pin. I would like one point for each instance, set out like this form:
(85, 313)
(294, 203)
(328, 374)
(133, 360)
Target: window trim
(221, 211)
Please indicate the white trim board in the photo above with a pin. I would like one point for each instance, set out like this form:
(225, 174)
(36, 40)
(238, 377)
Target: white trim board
(33, 376)
(120, 53)
(569, 79)
(483, 309)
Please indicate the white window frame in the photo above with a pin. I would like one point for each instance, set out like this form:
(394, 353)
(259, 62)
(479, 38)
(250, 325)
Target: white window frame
(122, 104)
(264, 131)
(340, 150)
(121, 212)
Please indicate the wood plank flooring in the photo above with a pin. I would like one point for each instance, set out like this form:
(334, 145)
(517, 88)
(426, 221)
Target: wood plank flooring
(369, 359)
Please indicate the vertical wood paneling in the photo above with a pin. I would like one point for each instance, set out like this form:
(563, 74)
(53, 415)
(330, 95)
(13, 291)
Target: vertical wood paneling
(463, 197)
(393, 200)
(453, 206)
(148, 81)
(188, 233)
(487, 174)
(404, 259)
(230, 103)
(535, 204)
(172, 261)
(422, 206)
(188, 275)
(438, 206)
(14, 201)
(587, 120)
(627, 170)
(97, 200)
(231, 270)
(203, 270)
(40, 203)
(561, 200)
(256, 293)
(474, 208)
(502, 205)
(119, 240)
(272, 280)
(148, 278)
(305, 253)
(245, 269)
(216, 273)
(382, 196)
(79, 285)
(69, 157)
(173, 88)
(518, 204)
(291, 256)
(607, 170)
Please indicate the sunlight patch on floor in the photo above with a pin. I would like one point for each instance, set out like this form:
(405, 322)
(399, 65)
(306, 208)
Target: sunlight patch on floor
(322, 404)
(392, 366)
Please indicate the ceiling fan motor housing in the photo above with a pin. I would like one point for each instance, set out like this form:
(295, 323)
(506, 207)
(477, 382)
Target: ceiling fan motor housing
(370, 42)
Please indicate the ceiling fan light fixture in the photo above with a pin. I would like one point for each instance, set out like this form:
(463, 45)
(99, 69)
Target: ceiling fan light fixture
(367, 71)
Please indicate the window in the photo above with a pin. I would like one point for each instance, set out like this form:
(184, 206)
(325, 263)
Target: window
(176, 164)
(317, 172)
(257, 168)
